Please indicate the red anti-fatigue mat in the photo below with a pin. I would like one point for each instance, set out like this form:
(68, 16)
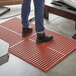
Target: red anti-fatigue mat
(14, 24)
(44, 56)
(9, 36)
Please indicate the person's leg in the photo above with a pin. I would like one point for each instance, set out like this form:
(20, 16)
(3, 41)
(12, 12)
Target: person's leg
(39, 22)
(39, 15)
(25, 12)
(24, 15)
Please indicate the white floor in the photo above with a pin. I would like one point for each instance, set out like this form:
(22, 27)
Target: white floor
(17, 67)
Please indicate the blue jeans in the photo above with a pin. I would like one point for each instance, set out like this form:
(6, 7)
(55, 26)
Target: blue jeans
(39, 14)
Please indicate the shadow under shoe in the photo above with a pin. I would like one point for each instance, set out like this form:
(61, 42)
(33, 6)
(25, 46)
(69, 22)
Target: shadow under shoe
(42, 38)
(26, 31)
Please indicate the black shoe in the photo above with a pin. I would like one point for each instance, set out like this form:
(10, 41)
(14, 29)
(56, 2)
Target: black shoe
(74, 36)
(26, 31)
(42, 38)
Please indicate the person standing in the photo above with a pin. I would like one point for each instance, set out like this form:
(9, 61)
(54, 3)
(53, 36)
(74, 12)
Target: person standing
(39, 20)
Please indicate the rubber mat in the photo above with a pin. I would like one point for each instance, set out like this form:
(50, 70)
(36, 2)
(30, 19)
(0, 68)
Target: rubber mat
(9, 36)
(44, 56)
(15, 25)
